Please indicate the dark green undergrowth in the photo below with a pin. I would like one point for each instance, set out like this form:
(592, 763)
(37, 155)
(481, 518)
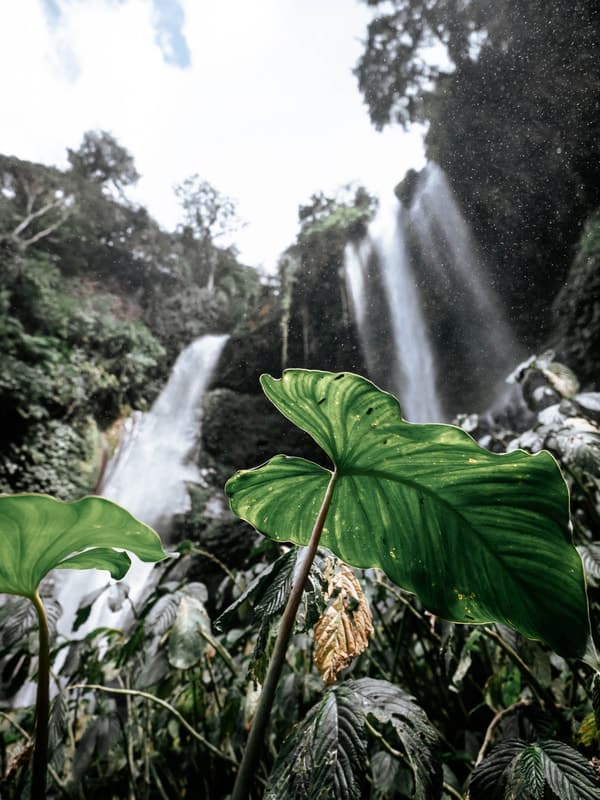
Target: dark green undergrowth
(427, 709)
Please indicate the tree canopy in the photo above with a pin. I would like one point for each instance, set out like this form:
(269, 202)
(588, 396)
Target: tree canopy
(511, 94)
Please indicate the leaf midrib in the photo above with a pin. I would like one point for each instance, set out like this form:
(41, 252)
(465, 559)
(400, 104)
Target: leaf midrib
(381, 475)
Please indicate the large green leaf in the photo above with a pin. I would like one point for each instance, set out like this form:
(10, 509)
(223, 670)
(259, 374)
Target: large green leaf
(478, 536)
(39, 533)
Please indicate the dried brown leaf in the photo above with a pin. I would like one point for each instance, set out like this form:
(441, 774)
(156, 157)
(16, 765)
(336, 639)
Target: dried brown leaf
(343, 631)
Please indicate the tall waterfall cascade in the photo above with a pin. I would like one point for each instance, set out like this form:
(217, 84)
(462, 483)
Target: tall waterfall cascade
(149, 476)
(431, 327)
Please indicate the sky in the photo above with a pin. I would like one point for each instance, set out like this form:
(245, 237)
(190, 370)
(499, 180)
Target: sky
(255, 96)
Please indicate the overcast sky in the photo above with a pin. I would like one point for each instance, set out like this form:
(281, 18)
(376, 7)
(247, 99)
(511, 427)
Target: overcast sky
(257, 96)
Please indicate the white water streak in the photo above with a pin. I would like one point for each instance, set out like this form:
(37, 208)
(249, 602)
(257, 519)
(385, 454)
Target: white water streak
(149, 476)
(413, 370)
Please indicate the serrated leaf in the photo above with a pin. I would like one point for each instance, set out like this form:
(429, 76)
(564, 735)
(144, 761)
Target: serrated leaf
(325, 758)
(513, 770)
(529, 767)
(162, 614)
(343, 631)
(267, 591)
(274, 594)
(386, 704)
(478, 536)
(266, 596)
(186, 643)
(489, 778)
(578, 442)
(39, 533)
(568, 773)
(17, 620)
(590, 556)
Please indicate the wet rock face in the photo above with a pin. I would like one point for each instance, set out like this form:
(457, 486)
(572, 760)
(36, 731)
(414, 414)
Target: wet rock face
(247, 355)
(576, 336)
(243, 430)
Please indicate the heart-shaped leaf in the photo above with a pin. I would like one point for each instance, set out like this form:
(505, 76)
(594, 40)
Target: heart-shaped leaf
(39, 533)
(478, 536)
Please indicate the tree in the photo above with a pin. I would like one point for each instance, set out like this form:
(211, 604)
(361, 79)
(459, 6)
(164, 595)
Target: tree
(208, 215)
(401, 62)
(34, 202)
(101, 159)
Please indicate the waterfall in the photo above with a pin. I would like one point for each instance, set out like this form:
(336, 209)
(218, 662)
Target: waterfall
(149, 476)
(431, 327)
(407, 368)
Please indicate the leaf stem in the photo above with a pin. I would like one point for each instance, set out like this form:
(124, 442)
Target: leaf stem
(452, 791)
(491, 727)
(543, 695)
(42, 705)
(154, 699)
(243, 782)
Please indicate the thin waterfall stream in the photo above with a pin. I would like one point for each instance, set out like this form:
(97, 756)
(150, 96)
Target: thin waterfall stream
(408, 370)
(430, 324)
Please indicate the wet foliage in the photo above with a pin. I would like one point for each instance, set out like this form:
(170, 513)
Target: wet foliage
(164, 704)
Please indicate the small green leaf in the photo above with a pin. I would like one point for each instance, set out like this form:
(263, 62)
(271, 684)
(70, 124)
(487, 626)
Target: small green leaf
(115, 561)
(478, 536)
(39, 533)
(529, 767)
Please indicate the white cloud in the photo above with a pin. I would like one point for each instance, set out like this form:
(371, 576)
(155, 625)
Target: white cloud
(268, 111)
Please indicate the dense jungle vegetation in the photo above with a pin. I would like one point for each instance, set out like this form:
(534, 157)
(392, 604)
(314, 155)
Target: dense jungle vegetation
(97, 300)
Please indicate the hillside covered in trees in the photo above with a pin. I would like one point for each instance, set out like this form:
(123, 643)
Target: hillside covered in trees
(97, 300)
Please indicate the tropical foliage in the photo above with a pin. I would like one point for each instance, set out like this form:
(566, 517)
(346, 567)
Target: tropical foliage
(422, 695)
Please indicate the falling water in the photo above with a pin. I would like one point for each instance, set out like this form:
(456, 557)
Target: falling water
(149, 476)
(429, 320)
(409, 368)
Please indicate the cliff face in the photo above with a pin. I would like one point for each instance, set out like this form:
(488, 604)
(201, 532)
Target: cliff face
(576, 335)
(310, 326)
